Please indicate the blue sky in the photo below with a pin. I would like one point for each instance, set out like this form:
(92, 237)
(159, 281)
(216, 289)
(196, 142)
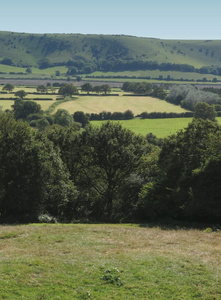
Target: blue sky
(168, 19)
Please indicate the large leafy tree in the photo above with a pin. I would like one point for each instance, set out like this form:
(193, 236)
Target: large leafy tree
(87, 87)
(33, 177)
(186, 164)
(105, 88)
(63, 117)
(22, 109)
(81, 117)
(205, 111)
(103, 163)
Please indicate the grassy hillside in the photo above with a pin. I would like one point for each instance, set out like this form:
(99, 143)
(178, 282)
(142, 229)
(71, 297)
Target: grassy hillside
(27, 49)
(108, 262)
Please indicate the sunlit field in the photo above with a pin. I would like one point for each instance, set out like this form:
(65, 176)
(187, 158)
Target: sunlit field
(97, 104)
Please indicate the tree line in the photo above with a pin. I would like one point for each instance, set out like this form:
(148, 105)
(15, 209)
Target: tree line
(145, 88)
(81, 65)
(188, 96)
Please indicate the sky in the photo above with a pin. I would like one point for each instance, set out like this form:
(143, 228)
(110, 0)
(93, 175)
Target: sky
(165, 19)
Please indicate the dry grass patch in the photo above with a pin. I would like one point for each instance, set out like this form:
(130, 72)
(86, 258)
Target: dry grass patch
(108, 262)
(97, 104)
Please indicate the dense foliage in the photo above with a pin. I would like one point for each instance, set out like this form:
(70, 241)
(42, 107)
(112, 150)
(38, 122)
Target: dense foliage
(144, 88)
(188, 96)
(187, 181)
(106, 173)
(33, 177)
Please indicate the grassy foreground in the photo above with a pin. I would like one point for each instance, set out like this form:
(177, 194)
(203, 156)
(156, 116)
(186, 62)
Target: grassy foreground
(108, 262)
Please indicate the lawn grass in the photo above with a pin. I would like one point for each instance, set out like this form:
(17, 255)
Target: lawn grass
(97, 104)
(108, 262)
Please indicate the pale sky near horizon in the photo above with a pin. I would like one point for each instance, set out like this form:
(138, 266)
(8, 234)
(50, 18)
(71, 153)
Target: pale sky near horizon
(168, 19)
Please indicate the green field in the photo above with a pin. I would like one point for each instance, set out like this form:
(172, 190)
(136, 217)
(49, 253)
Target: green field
(159, 127)
(97, 104)
(156, 74)
(108, 262)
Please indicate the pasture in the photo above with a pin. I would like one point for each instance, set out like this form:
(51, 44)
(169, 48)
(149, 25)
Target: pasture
(97, 104)
(159, 127)
(108, 262)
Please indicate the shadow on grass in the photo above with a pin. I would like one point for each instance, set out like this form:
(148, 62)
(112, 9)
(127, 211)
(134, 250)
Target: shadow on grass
(181, 225)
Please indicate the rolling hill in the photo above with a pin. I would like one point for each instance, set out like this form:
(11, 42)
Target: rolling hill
(89, 53)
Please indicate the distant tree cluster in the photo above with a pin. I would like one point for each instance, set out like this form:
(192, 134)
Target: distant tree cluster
(99, 89)
(144, 88)
(213, 90)
(163, 115)
(188, 96)
(127, 115)
(68, 90)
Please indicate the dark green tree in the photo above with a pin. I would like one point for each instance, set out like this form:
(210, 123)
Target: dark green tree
(184, 161)
(128, 115)
(28, 70)
(103, 162)
(44, 63)
(68, 90)
(87, 87)
(33, 177)
(105, 88)
(41, 89)
(97, 89)
(205, 111)
(63, 117)
(8, 87)
(20, 94)
(81, 117)
(159, 92)
(22, 109)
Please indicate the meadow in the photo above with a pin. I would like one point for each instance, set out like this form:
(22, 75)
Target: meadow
(108, 262)
(97, 104)
(159, 127)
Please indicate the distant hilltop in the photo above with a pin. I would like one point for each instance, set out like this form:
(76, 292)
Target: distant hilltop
(89, 53)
